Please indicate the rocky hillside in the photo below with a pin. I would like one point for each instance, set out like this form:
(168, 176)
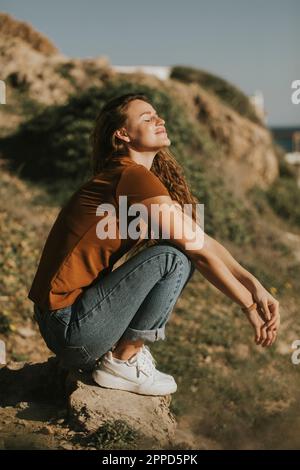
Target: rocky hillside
(36, 73)
(231, 394)
(12, 29)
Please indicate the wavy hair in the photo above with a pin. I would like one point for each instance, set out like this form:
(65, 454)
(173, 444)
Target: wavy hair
(107, 149)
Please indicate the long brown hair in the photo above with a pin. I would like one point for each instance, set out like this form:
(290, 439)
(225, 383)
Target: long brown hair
(107, 149)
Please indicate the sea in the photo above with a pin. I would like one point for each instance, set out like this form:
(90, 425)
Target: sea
(284, 136)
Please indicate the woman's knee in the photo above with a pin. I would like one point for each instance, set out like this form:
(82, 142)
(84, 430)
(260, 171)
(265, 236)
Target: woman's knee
(175, 258)
(179, 253)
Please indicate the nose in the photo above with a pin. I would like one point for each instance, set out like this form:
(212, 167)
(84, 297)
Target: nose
(161, 121)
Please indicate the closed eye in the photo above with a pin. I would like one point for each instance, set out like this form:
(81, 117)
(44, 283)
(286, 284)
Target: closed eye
(148, 120)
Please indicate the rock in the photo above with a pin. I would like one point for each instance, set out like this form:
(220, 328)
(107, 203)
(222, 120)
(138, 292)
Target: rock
(26, 332)
(60, 421)
(11, 27)
(32, 382)
(23, 405)
(66, 446)
(46, 430)
(90, 406)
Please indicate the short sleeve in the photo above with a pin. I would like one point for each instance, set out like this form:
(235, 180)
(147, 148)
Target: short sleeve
(139, 183)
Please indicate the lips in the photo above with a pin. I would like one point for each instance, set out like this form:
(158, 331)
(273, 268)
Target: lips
(162, 131)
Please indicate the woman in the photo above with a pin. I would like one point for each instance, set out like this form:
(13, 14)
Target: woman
(97, 318)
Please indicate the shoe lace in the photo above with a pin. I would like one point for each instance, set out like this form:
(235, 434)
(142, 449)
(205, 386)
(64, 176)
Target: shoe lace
(143, 363)
(147, 351)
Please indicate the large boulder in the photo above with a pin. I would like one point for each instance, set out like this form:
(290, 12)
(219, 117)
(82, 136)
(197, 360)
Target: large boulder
(90, 406)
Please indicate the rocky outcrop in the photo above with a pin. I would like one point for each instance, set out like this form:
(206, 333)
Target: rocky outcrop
(45, 390)
(12, 28)
(31, 64)
(246, 154)
(90, 406)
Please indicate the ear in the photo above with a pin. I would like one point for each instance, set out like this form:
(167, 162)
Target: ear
(122, 134)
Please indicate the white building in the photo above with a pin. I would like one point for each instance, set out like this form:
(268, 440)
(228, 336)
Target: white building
(257, 100)
(159, 71)
(294, 157)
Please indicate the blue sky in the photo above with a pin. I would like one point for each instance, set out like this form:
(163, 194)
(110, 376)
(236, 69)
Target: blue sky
(253, 44)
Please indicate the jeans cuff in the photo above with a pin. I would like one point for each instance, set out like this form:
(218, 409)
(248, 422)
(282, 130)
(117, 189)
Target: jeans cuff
(149, 335)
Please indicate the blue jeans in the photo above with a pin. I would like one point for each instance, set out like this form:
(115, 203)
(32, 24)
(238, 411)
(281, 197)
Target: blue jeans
(134, 301)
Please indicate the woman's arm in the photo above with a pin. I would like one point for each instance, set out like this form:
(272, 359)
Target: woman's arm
(240, 273)
(170, 222)
(267, 305)
(244, 276)
(179, 228)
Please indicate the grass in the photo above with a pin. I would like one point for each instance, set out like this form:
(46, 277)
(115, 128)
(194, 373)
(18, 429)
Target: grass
(112, 434)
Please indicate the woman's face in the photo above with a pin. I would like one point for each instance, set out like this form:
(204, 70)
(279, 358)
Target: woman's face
(144, 130)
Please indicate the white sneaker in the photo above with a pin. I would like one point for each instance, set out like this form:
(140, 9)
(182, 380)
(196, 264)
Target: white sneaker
(159, 374)
(138, 374)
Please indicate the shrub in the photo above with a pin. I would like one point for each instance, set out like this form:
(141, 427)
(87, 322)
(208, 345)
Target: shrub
(227, 92)
(284, 197)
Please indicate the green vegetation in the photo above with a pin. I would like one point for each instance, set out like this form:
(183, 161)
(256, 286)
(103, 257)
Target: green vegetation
(112, 434)
(232, 390)
(65, 69)
(4, 324)
(284, 197)
(230, 94)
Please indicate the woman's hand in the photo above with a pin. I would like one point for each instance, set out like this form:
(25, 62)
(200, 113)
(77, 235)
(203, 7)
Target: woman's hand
(263, 335)
(267, 306)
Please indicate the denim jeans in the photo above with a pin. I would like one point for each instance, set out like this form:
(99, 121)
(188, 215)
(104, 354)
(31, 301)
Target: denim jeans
(134, 301)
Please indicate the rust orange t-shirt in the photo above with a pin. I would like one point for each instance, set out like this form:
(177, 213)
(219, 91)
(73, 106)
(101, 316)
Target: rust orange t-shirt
(74, 257)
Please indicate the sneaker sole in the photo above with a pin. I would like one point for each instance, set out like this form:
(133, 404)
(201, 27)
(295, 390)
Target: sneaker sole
(107, 380)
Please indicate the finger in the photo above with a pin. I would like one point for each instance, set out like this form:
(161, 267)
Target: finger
(261, 313)
(272, 329)
(263, 336)
(266, 310)
(274, 337)
(276, 324)
(263, 330)
(257, 338)
(274, 321)
(269, 337)
(271, 323)
(274, 309)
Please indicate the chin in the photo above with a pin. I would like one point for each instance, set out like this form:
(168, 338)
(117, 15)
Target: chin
(166, 142)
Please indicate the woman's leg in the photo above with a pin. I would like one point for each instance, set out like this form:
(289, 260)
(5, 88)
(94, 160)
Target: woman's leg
(131, 341)
(133, 302)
